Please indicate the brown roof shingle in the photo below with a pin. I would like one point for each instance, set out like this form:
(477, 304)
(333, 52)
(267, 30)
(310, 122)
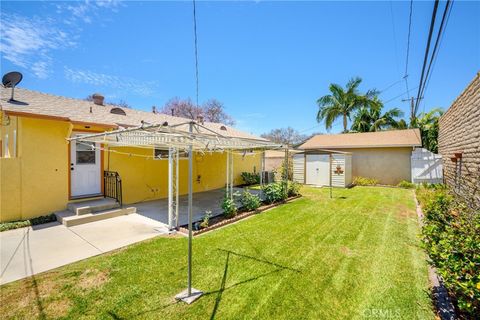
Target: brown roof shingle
(391, 138)
(76, 110)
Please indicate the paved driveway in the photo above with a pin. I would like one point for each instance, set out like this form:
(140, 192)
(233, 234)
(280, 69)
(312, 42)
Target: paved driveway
(32, 250)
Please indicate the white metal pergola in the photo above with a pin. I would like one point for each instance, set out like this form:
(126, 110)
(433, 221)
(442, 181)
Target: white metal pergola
(187, 137)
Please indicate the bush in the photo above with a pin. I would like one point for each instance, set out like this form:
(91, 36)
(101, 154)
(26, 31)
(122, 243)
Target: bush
(406, 184)
(362, 181)
(229, 207)
(26, 223)
(250, 201)
(206, 219)
(293, 189)
(250, 178)
(273, 192)
(451, 237)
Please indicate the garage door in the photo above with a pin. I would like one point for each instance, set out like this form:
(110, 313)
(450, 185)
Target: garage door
(318, 169)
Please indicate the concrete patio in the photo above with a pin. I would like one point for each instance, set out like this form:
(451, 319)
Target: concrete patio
(202, 202)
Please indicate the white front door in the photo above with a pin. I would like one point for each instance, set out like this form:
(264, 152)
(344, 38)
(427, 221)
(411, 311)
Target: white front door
(318, 169)
(84, 169)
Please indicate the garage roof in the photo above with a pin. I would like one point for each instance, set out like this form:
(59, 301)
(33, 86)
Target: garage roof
(380, 139)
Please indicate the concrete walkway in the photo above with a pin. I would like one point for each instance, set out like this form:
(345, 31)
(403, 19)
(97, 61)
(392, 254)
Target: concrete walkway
(28, 251)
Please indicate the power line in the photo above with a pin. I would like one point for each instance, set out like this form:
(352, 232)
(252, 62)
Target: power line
(441, 41)
(408, 45)
(196, 48)
(391, 85)
(398, 96)
(433, 58)
(427, 49)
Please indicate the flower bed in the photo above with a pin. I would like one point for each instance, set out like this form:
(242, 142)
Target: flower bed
(220, 221)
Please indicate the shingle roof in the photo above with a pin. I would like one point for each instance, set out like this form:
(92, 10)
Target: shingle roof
(78, 111)
(391, 138)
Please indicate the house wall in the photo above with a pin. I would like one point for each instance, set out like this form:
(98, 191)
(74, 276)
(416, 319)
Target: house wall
(388, 165)
(459, 132)
(36, 181)
(147, 179)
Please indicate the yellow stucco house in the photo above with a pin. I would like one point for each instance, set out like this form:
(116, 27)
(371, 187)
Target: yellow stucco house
(42, 173)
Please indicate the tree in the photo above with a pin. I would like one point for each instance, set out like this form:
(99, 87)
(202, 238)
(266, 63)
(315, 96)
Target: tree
(369, 118)
(284, 136)
(428, 125)
(181, 108)
(342, 102)
(212, 110)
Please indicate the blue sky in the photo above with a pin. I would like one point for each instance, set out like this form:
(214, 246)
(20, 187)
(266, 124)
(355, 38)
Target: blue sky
(267, 62)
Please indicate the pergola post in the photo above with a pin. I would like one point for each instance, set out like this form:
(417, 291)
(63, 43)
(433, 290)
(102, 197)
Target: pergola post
(170, 188)
(285, 178)
(190, 213)
(330, 173)
(177, 203)
(262, 168)
(227, 174)
(191, 294)
(231, 176)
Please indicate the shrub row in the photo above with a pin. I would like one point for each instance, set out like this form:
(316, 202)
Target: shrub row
(362, 181)
(26, 223)
(451, 237)
(274, 192)
(250, 178)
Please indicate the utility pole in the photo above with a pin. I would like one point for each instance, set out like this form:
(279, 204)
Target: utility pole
(413, 115)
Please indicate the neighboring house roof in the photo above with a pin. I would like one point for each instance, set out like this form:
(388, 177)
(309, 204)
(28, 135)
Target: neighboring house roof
(30, 103)
(390, 138)
(275, 154)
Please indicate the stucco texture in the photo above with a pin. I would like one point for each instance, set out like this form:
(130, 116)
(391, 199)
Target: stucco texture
(388, 165)
(147, 179)
(36, 181)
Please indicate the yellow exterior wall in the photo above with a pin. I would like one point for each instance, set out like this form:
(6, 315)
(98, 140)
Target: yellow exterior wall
(147, 179)
(387, 165)
(36, 182)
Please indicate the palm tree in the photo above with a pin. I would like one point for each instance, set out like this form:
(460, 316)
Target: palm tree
(342, 102)
(370, 118)
(428, 125)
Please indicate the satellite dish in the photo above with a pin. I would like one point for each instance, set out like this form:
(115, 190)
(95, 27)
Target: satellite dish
(10, 80)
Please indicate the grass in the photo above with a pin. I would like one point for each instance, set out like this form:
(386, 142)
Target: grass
(350, 257)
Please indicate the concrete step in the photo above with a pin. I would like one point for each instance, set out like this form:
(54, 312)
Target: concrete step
(91, 206)
(69, 219)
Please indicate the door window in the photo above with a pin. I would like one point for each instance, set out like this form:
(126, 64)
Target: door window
(85, 153)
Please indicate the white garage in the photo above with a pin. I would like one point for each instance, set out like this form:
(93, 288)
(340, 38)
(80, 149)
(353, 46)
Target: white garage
(323, 168)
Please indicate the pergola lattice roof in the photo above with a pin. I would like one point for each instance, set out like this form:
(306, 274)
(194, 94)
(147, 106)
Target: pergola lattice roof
(164, 137)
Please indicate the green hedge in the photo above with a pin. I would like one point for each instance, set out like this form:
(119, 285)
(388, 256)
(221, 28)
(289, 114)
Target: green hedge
(26, 223)
(451, 237)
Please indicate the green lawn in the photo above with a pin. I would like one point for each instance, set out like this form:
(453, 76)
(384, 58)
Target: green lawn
(352, 257)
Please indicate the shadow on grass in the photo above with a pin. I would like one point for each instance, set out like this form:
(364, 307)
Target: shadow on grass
(115, 316)
(222, 288)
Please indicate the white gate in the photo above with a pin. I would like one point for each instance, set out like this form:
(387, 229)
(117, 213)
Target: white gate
(426, 166)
